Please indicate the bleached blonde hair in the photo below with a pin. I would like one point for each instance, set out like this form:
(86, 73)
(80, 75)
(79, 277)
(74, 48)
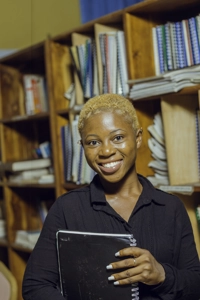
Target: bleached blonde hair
(109, 103)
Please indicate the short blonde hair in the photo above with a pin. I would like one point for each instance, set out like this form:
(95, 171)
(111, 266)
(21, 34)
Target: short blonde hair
(109, 102)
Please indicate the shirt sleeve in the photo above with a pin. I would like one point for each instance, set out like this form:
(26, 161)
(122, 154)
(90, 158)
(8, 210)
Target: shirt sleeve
(41, 278)
(182, 281)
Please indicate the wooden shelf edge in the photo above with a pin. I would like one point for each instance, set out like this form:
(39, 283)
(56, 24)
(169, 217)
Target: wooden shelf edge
(25, 118)
(29, 185)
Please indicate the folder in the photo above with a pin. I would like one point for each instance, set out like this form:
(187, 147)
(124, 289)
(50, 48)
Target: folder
(82, 260)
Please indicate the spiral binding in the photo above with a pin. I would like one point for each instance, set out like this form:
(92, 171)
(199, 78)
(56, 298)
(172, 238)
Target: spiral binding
(135, 287)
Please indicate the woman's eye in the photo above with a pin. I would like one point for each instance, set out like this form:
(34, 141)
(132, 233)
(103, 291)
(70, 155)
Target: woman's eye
(118, 138)
(92, 143)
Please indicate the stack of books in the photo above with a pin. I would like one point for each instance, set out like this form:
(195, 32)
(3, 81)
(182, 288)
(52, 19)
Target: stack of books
(158, 151)
(27, 238)
(169, 82)
(27, 171)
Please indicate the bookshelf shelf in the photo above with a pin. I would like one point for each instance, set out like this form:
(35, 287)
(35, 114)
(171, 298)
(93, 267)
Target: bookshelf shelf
(20, 134)
(26, 118)
(30, 185)
(21, 248)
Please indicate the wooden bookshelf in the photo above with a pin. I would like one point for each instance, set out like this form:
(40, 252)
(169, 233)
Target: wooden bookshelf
(20, 133)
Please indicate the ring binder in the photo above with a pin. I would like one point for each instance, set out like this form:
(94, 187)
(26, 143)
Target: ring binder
(82, 261)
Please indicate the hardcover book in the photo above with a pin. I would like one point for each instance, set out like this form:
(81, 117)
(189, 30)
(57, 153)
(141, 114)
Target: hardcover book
(82, 259)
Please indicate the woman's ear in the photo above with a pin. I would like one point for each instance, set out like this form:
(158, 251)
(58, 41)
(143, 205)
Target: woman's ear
(139, 137)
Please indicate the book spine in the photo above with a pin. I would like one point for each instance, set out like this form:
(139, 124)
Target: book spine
(122, 61)
(164, 47)
(160, 48)
(168, 47)
(155, 51)
(194, 40)
(197, 18)
(29, 99)
(173, 45)
(179, 45)
(186, 42)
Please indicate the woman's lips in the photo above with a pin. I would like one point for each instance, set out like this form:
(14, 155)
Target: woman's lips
(110, 167)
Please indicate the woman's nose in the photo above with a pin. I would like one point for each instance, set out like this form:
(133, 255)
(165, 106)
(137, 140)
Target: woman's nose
(106, 149)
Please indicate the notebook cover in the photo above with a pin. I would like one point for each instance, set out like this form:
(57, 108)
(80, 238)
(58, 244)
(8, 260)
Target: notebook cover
(83, 258)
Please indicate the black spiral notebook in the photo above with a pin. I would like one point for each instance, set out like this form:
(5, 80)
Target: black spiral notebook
(82, 260)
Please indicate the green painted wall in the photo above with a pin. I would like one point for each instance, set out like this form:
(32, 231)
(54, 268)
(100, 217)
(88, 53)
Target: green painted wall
(26, 22)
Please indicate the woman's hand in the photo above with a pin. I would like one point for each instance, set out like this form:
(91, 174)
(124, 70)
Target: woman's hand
(140, 266)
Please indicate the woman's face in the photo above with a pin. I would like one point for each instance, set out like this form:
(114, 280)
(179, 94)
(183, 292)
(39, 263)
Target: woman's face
(110, 145)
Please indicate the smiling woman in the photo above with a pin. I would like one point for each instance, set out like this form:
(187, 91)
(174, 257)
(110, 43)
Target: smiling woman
(165, 263)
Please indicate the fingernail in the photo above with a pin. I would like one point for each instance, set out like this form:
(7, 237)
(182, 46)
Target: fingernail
(116, 283)
(117, 254)
(109, 267)
(111, 278)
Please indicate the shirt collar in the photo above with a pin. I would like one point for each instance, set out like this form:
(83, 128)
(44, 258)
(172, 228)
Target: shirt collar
(149, 192)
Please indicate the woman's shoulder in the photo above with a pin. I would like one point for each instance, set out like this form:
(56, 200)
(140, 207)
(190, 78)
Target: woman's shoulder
(76, 193)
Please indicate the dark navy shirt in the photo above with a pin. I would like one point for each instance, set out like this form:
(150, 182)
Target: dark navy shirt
(159, 223)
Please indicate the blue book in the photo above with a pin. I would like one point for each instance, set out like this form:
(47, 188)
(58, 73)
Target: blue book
(160, 48)
(180, 45)
(194, 40)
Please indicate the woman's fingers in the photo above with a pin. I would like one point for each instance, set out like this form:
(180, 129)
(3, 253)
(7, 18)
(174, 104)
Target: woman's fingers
(140, 266)
(126, 263)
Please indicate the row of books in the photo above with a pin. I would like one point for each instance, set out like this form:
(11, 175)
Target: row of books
(109, 54)
(114, 61)
(35, 94)
(176, 44)
(85, 62)
(76, 168)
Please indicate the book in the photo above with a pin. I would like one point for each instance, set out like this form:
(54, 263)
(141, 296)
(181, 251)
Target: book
(25, 165)
(27, 238)
(155, 51)
(194, 40)
(122, 61)
(82, 259)
(35, 94)
(48, 178)
(28, 175)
